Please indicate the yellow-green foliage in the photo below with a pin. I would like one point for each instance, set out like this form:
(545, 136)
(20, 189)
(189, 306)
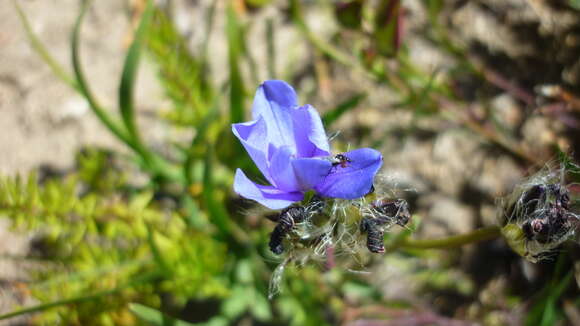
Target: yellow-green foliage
(96, 169)
(182, 74)
(106, 242)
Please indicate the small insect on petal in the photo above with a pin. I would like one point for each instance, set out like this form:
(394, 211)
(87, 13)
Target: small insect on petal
(341, 159)
(351, 175)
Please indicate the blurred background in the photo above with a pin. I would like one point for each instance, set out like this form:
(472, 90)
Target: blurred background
(117, 159)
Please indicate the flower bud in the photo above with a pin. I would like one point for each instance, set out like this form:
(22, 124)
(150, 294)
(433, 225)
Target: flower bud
(538, 216)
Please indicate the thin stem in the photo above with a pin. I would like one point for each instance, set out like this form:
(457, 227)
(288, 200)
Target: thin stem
(111, 124)
(483, 234)
(39, 47)
(402, 85)
(156, 164)
(324, 46)
(41, 307)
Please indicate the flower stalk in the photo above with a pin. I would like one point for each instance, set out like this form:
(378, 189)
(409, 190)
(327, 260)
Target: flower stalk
(478, 235)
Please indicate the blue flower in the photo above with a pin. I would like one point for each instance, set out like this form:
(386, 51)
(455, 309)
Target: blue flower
(288, 144)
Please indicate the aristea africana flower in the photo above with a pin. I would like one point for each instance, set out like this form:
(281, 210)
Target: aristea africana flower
(288, 144)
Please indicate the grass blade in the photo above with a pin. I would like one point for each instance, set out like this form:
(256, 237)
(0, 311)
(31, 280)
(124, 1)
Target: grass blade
(218, 214)
(271, 46)
(112, 125)
(45, 306)
(324, 47)
(154, 316)
(208, 31)
(183, 75)
(157, 255)
(155, 164)
(42, 51)
(235, 49)
(334, 114)
(387, 38)
(129, 74)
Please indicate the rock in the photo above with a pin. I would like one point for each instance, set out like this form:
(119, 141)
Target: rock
(445, 216)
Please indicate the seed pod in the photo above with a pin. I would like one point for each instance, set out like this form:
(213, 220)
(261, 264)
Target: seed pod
(545, 213)
(286, 221)
(538, 215)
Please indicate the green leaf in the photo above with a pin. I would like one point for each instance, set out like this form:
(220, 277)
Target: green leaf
(271, 46)
(387, 27)
(322, 45)
(218, 214)
(217, 321)
(546, 308)
(39, 47)
(358, 291)
(155, 317)
(54, 304)
(244, 271)
(571, 169)
(157, 253)
(334, 114)
(197, 140)
(238, 302)
(193, 217)
(349, 14)
(112, 125)
(235, 49)
(210, 14)
(155, 164)
(183, 74)
(419, 101)
(575, 4)
(260, 307)
(129, 74)
(93, 296)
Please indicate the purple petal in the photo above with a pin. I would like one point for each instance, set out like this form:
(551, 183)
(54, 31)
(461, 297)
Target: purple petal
(253, 136)
(281, 170)
(309, 132)
(280, 92)
(355, 179)
(311, 171)
(266, 195)
(273, 102)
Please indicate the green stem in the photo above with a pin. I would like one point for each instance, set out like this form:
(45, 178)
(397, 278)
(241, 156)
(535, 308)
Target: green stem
(93, 273)
(401, 84)
(324, 46)
(112, 125)
(42, 51)
(41, 307)
(155, 163)
(486, 233)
